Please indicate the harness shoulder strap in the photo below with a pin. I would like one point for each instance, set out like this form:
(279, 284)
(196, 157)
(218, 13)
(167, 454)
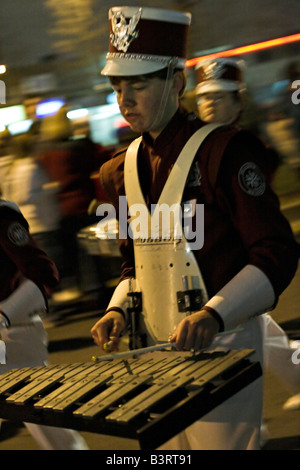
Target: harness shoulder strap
(177, 179)
(133, 189)
(173, 189)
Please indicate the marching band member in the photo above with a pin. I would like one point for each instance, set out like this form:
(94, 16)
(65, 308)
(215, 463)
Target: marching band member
(219, 90)
(219, 95)
(28, 277)
(242, 254)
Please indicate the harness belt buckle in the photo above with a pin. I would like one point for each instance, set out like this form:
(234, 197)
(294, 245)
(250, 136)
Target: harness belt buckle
(137, 340)
(190, 300)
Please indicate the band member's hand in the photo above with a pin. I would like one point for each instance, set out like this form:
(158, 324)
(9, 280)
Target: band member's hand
(107, 331)
(196, 331)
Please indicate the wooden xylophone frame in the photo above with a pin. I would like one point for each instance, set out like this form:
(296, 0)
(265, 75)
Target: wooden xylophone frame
(150, 398)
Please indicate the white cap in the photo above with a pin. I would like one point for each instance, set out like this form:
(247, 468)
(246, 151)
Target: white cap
(145, 40)
(219, 74)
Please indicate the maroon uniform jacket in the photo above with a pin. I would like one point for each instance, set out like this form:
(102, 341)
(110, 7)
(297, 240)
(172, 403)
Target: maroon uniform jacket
(20, 257)
(242, 221)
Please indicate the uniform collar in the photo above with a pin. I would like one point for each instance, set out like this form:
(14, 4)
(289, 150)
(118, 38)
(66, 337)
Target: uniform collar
(169, 132)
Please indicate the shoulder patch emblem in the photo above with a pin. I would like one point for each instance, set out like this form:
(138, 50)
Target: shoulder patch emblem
(251, 179)
(17, 234)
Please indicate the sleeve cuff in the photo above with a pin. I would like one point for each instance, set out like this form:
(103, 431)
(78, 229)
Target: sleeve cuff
(120, 300)
(247, 295)
(25, 302)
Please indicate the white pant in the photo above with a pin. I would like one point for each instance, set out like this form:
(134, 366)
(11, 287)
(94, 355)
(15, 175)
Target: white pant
(26, 346)
(278, 356)
(52, 438)
(233, 425)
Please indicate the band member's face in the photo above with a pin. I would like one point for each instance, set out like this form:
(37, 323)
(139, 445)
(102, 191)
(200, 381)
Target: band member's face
(140, 102)
(218, 107)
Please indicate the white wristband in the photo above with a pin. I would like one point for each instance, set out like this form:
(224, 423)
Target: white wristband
(25, 302)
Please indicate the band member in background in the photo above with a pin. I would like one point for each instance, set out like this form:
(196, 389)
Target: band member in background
(219, 90)
(219, 95)
(222, 96)
(28, 277)
(246, 259)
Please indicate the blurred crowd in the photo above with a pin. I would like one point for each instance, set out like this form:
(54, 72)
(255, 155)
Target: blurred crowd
(283, 125)
(51, 173)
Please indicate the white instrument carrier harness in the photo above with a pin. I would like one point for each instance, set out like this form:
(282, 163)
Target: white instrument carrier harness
(162, 263)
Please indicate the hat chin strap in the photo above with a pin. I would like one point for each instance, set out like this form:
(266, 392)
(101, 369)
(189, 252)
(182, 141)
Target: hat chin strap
(164, 96)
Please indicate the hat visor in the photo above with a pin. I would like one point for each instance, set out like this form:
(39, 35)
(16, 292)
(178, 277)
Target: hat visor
(217, 85)
(134, 66)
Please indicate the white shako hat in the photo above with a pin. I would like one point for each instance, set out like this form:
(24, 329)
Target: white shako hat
(219, 74)
(145, 40)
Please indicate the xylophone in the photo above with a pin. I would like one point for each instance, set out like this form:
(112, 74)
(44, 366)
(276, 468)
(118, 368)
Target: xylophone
(150, 398)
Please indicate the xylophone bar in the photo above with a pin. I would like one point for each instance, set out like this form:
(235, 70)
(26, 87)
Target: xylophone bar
(151, 398)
